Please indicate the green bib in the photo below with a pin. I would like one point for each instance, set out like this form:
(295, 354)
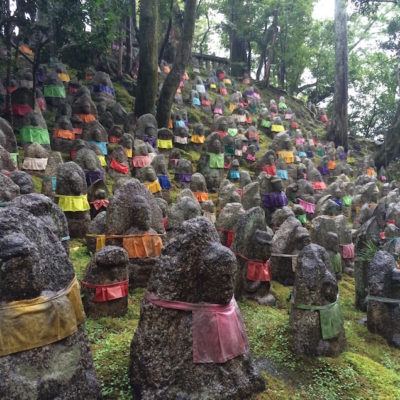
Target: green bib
(34, 134)
(336, 261)
(54, 91)
(265, 124)
(302, 218)
(330, 316)
(232, 131)
(216, 160)
(347, 201)
(229, 149)
(15, 158)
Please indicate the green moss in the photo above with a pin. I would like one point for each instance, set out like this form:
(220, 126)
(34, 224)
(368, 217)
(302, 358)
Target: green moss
(37, 183)
(384, 383)
(198, 117)
(122, 96)
(79, 256)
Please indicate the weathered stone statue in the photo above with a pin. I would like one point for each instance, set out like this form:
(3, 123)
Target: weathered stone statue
(23, 180)
(227, 194)
(54, 90)
(251, 195)
(134, 216)
(146, 129)
(34, 130)
(211, 163)
(102, 88)
(315, 314)
(49, 179)
(94, 133)
(42, 316)
(227, 222)
(186, 207)
(35, 159)
(252, 246)
(63, 134)
(7, 161)
(384, 298)
(71, 197)
(105, 283)
(199, 187)
(183, 173)
(191, 288)
(46, 210)
(288, 241)
(8, 190)
(89, 162)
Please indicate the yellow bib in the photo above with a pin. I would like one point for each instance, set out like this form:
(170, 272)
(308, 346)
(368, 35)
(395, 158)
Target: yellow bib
(277, 128)
(64, 77)
(73, 203)
(102, 161)
(164, 143)
(28, 324)
(287, 156)
(128, 153)
(197, 139)
(154, 187)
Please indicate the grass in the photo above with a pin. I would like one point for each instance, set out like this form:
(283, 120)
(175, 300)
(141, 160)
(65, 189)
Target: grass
(369, 369)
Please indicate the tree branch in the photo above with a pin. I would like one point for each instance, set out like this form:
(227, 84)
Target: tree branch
(368, 27)
(304, 87)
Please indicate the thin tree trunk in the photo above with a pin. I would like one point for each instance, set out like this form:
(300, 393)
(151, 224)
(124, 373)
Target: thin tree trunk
(339, 127)
(128, 40)
(261, 64)
(271, 49)
(205, 34)
(282, 63)
(8, 31)
(147, 75)
(167, 33)
(263, 47)
(238, 54)
(182, 59)
(248, 57)
(120, 51)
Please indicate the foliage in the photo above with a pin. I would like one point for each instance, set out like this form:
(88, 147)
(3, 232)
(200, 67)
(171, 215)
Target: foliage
(368, 252)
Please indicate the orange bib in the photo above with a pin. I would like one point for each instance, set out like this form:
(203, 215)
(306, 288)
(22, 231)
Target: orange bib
(142, 246)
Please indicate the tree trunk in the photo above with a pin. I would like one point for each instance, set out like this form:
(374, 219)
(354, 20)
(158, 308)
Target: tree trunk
(205, 35)
(182, 58)
(260, 65)
(248, 57)
(238, 55)
(282, 62)
(120, 51)
(128, 40)
(166, 37)
(271, 49)
(147, 75)
(8, 28)
(339, 127)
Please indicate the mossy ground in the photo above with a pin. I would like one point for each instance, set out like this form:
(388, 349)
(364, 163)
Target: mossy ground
(369, 369)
